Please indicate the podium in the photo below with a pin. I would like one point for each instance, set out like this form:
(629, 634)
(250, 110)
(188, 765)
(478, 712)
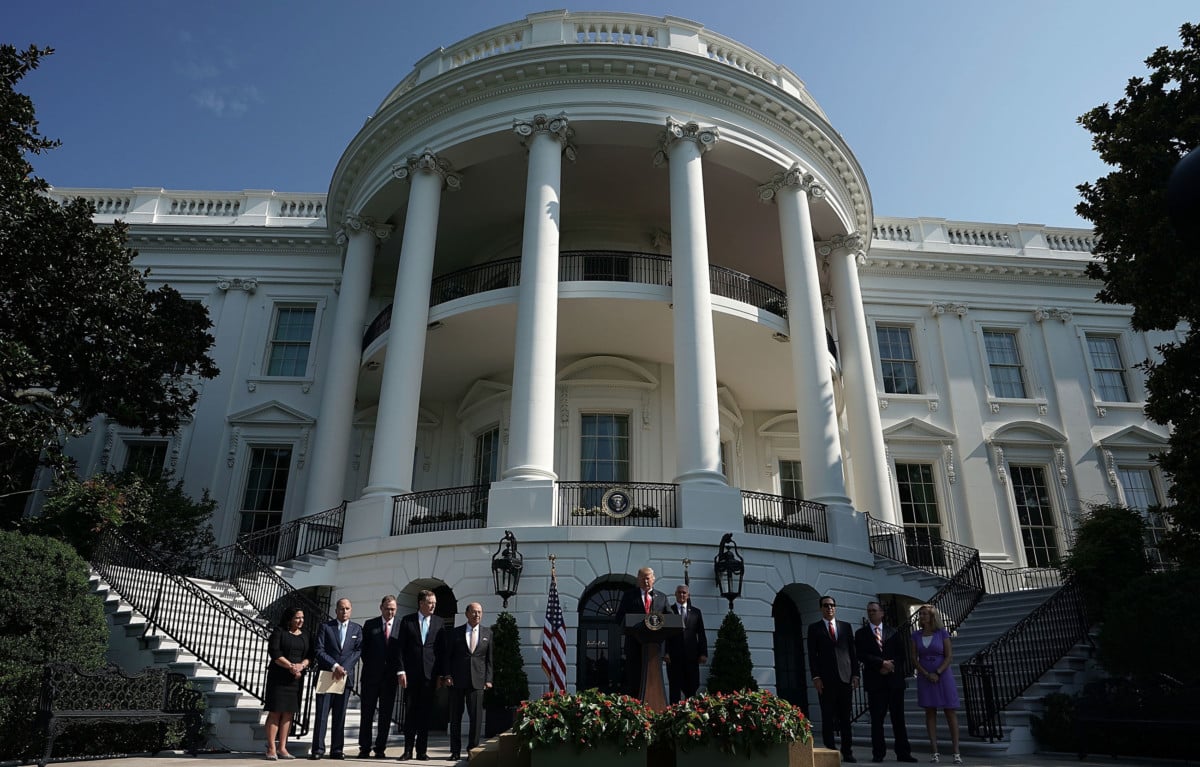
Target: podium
(650, 630)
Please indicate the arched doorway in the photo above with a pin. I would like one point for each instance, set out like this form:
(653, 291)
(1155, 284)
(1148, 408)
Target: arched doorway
(791, 674)
(601, 643)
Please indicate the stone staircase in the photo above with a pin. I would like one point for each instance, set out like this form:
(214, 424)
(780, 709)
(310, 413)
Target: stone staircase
(994, 615)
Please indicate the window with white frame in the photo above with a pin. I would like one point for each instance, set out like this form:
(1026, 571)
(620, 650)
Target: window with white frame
(146, 458)
(1141, 493)
(266, 487)
(487, 457)
(919, 514)
(1004, 364)
(1035, 514)
(897, 359)
(604, 447)
(791, 479)
(291, 340)
(1108, 368)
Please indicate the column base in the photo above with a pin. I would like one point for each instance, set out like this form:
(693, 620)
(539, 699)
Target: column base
(710, 507)
(847, 526)
(368, 518)
(521, 503)
(528, 474)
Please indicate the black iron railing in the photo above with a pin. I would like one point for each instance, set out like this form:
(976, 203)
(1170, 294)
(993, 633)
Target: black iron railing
(1003, 580)
(305, 535)
(768, 514)
(650, 504)
(999, 673)
(919, 547)
(592, 266)
(224, 638)
(452, 508)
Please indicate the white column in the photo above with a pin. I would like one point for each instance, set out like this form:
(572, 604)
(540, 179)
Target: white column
(400, 392)
(531, 425)
(816, 412)
(697, 416)
(327, 479)
(872, 492)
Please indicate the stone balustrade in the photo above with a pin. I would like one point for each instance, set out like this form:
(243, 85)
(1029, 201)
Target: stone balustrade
(584, 28)
(917, 233)
(160, 206)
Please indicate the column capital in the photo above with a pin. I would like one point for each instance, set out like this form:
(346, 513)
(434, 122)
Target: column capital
(702, 136)
(557, 126)
(794, 177)
(428, 162)
(354, 224)
(846, 243)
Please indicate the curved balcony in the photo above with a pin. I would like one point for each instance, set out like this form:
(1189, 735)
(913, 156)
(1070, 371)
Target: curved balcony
(589, 266)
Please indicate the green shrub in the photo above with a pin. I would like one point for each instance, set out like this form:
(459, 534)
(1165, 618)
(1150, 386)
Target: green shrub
(510, 683)
(731, 669)
(1054, 730)
(48, 613)
(1109, 552)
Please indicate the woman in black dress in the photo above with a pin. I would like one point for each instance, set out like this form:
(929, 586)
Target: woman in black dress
(290, 656)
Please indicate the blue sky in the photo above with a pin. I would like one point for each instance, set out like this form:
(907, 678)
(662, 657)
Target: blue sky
(962, 110)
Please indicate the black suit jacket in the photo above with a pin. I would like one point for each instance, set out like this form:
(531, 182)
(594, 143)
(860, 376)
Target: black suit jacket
(380, 658)
(693, 642)
(833, 663)
(895, 649)
(470, 670)
(422, 660)
(631, 604)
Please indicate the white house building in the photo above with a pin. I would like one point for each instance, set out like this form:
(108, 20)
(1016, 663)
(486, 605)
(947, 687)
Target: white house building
(586, 252)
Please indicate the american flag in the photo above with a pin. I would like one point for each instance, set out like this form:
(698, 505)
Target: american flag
(554, 640)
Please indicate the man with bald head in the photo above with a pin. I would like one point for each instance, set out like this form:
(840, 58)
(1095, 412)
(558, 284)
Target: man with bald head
(470, 673)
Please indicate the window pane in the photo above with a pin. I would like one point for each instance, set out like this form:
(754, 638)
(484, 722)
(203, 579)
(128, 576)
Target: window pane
(1004, 362)
(291, 341)
(897, 360)
(791, 480)
(487, 457)
(266, 487)
(604, 447)
(919, 513)
(1109, 369)
(146, 458)
(1141, 494)
(1036, 515)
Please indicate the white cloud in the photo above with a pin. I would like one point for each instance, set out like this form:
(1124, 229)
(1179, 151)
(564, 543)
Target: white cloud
(222, 101)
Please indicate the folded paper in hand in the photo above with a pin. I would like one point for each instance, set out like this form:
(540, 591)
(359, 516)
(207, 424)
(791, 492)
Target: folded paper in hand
(327, 684)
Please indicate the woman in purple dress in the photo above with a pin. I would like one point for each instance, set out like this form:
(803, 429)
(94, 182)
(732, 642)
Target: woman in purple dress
(932, 656)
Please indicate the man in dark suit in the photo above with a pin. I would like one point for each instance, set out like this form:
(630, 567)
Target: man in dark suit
(643, 599)
(378, 685)
(884, 655)
(470, 661)
(688, 650)
(422, 664)
(339, 646)
(833, 660)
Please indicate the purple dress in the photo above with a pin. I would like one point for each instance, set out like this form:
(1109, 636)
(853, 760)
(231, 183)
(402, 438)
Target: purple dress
(940, 694)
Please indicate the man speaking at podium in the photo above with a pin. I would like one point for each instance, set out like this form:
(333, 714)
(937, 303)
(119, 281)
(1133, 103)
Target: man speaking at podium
(643, 599)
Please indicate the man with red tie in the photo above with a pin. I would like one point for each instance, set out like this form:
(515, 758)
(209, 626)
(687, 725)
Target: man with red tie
(643, 599)
(834, 663)
(380, 664)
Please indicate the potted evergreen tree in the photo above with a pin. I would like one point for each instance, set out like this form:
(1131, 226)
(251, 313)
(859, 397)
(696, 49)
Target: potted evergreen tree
(731, 669)
(510, 685)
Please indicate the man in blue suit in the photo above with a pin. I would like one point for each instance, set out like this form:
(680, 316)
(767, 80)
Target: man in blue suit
(339, 646)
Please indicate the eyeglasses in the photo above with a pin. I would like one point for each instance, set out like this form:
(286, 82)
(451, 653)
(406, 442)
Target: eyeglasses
(828, 606)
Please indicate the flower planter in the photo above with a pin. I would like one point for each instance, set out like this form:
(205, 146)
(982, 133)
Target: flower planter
(602, 755)
(712, 756)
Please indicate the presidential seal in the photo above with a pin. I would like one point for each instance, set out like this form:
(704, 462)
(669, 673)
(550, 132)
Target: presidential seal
(616, 503)
(653, 621)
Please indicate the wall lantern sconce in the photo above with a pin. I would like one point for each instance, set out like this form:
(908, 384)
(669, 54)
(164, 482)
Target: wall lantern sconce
(730, 569)
(507, 564)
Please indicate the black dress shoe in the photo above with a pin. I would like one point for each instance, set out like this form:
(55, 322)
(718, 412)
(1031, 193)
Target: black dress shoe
(422, 757)
(455, 757)
(314, 756)
(363, 753)
(337, 755)
(909, 758)
(849, 758)
(404, 757)
(380, 753)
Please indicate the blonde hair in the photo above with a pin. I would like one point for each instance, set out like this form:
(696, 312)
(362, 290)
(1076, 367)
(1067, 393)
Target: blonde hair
(935, 617)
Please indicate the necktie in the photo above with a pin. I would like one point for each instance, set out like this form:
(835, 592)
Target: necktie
(341, 634)
(387, 633)
(471, 639)
(683, 611)
(879, 636)
(646, 600)
(832, 632)
(424, 628)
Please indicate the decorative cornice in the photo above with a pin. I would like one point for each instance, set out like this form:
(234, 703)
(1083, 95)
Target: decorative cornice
(248, 284)
(1110, 465)
(354, 223)
(948, 460)
(557, 126)
(938, 308)
(428, 162)
(702, 136)
(1040, 314)
(794, 177)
